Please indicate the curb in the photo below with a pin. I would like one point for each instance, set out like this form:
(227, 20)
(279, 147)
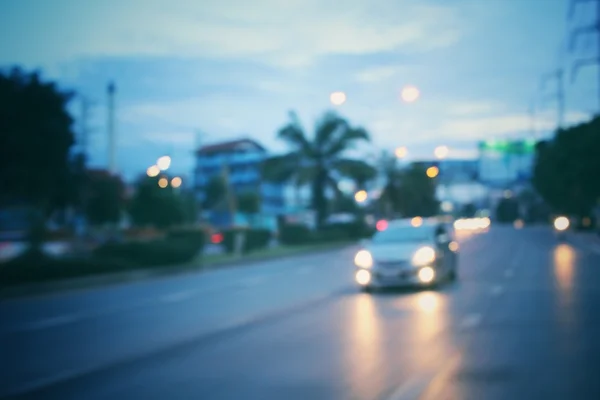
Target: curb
(93, 282)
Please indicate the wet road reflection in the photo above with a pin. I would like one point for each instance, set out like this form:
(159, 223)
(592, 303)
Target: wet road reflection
(365, 356)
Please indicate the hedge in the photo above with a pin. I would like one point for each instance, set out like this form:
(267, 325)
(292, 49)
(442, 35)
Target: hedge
(299, 234)
(295, 234)
(172, 250)
(255, 239)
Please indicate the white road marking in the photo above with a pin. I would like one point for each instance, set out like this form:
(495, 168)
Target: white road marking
(177, 296)
(497, 290)
(52, 322)
(509, 273)
(417, 386)
(471, 321)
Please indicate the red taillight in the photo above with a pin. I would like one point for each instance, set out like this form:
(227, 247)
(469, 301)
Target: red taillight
(381, 225)
(217, 238)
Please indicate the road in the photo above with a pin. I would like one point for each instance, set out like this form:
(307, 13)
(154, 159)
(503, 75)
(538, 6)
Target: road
(522, 322)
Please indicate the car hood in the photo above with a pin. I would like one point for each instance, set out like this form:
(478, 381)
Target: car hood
(394, 251)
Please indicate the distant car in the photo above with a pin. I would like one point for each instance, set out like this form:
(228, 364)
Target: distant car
(416, 251)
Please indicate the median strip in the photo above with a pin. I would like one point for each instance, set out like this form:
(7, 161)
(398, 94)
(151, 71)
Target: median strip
(201, 264)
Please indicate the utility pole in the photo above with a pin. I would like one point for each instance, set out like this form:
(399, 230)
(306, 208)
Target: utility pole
(84, 130)
(593, 28)
(532, 116)
(557, 75)
(112, 161)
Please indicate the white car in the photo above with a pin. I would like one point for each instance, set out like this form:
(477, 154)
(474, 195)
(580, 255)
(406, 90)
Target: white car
(415, 251)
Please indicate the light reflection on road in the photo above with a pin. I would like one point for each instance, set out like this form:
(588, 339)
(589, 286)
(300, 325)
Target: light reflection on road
(564, 264)
(365, 353)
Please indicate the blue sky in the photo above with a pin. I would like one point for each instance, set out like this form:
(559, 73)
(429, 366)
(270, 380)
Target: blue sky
(233, 68)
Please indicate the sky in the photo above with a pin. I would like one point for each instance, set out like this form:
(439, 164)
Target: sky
(191, 72)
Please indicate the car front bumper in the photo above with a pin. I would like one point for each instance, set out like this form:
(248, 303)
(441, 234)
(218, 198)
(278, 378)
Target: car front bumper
(380, 278)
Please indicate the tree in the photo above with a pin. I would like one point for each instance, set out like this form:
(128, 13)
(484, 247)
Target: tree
(105, 198)
(567, 167)
(35, 140)
(319, 161)
(416, 193)
(248, 203)
(215, 192)
(156, 206)
(388, 165)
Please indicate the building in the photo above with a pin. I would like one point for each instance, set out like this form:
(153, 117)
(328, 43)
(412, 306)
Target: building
(240, 161)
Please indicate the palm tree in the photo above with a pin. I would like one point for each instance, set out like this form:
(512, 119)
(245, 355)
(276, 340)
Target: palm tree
(319, 161)
(388, 165)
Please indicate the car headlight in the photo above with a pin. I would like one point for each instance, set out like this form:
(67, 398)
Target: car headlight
(561, 223)
(425, 255)
(363, 259)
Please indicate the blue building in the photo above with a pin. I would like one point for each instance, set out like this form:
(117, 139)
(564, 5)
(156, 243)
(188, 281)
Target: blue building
(242, 160)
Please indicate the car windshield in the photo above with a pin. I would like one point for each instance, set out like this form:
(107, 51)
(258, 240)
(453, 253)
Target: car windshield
(403, 234)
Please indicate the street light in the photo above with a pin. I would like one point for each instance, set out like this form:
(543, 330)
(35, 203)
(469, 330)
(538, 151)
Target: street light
(153, 171)
(401, 152)
(337, 98)
(176, 182)
(361, 196)
(410, 94)
(163, 183)
(441, 152)
(433, 171)
(164, 163)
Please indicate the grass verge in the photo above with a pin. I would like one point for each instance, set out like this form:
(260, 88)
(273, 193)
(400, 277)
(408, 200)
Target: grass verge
(203, 263)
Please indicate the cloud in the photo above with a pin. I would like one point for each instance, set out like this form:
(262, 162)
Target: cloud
(474, 108)
(376, 74)
(500, 125)
(184, 138)
(296, 34)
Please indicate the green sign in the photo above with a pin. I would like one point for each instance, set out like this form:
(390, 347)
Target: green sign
(509, 146)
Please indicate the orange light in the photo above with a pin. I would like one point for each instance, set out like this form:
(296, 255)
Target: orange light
(176, 182)
(416, 222)
(432, 172)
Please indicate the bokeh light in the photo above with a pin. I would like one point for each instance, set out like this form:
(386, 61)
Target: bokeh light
(401, 152)
(163, 182)
(361, 196)
(432, 172)
(441, 152)
(176, 182)
(410, 94)
(153, 171)
(164, 163)
(337, 98)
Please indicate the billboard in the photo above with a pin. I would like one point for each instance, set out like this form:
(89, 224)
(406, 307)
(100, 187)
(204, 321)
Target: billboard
(506, 161)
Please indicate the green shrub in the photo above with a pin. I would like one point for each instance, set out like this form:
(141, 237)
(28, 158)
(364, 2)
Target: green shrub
(38, 267)
(198, 236)
(346, 231)
(152, 253)
(256, 239)
(295, 234)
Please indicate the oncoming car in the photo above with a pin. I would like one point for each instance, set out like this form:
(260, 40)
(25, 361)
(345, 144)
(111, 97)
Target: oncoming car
(417, 252)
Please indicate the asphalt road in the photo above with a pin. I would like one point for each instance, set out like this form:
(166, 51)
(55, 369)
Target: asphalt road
(522, 322)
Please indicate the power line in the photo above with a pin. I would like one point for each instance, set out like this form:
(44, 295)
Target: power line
(559, 94)
(593, 28)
